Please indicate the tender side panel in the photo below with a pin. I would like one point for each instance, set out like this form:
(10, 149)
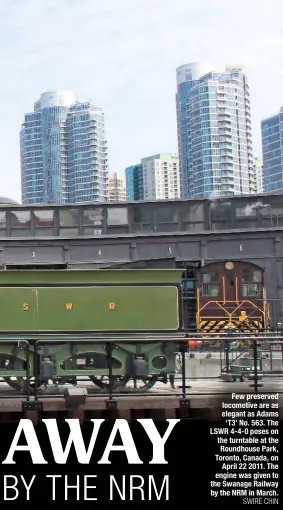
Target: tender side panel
(17, 309)
(110, 308)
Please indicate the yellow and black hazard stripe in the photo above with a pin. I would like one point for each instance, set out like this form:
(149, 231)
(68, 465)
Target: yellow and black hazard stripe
(220, 325)
(212, 325)
(252, 324)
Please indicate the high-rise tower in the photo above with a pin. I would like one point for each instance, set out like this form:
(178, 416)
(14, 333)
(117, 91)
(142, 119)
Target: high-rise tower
(157, 177)
(272, 151)
(63, 151)
(214, 131)
(116, 188)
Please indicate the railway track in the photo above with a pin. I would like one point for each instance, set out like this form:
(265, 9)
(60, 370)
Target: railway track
(204, 400)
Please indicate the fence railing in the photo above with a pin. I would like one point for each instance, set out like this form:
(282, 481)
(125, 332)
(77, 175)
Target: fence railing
(31, 383)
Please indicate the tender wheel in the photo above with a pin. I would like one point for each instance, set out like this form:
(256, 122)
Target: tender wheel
(140, 384)
(103, 381)
(17, 383)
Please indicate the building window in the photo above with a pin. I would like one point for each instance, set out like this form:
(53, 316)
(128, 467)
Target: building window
(69, 232)
(20, 223)
(96, 232)
(117, 216)
(93, 216)
(69, 221)
(93, 221)
(43, 222)
(43, 218)
(3, 223)
(69, 217)
(20, 219)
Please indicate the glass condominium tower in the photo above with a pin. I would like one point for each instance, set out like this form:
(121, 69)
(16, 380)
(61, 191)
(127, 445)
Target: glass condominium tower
(272, 150)
(214, 131)
(63, 151)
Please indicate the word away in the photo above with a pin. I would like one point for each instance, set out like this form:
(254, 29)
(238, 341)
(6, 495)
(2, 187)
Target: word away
(76, 438)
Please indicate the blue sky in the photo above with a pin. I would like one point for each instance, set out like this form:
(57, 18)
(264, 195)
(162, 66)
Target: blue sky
(122, 55)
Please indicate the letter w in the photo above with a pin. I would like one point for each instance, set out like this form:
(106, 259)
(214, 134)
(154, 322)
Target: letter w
(75, 437)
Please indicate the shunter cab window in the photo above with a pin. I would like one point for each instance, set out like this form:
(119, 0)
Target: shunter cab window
(251, 283)
(209, 284)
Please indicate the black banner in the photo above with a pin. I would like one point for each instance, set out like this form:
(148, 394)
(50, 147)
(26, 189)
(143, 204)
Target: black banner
(200, 462)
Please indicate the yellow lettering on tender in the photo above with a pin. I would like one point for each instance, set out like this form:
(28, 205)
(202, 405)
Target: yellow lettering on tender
(112, 306)
(69, 306)
(25, 307)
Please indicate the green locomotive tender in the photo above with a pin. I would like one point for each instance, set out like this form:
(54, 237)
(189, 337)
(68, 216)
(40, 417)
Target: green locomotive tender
(65, 324)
